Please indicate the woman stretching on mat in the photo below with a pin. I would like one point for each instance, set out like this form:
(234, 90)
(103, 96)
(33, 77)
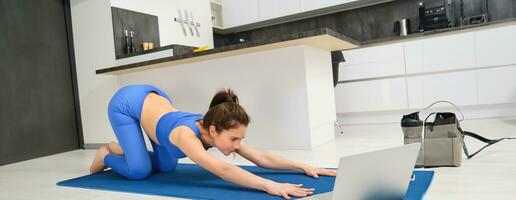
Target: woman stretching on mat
(176, 134)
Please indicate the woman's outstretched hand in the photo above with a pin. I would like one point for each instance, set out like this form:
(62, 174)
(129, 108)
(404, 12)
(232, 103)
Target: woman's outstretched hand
(315, 172)
(286, 190)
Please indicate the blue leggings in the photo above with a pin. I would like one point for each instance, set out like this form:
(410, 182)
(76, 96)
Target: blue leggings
(124, 113)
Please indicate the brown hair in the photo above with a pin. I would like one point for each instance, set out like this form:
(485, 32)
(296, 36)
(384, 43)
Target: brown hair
(225, 112)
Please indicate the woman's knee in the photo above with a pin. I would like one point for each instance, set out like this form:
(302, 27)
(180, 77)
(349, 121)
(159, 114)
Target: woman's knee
(168, 167)
(139, 172)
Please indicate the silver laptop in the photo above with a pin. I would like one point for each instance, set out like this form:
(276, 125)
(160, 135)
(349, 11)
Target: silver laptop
(383, 175)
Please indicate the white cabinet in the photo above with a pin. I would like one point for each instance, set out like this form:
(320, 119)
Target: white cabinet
(373, 54)
(239, 12)
(379, 61)
(242, 12)
(270, 9)
(496, 46)
(473, 68)
(386, 94)
(317, 4)
(371, 70)
(458, 87)
(440, 53)
(216, 14)
(497, 85)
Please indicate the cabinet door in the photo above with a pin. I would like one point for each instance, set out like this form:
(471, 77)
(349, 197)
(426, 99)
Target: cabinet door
(379, 61)
(317, 4)
(270, 9)
(497, 85)
(440, 53)
(377, 95)
(384, 68)
(239, 12)
(458, 87)
(496, 46)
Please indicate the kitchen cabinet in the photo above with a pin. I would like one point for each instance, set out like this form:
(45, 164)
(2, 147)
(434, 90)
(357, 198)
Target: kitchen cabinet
(242, 12)
(469, 69)
(497, 85)
(270, 9)
(496, 46)
(216, 14)
(457, 87)
(376, 95)
(309, 5)
(443, 53)
(378, 61)
(239, 12)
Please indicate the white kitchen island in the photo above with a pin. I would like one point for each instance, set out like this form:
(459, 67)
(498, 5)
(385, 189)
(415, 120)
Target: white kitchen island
(285, 85)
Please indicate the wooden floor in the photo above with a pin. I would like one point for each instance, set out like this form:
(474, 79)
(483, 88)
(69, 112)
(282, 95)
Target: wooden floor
(490, 175)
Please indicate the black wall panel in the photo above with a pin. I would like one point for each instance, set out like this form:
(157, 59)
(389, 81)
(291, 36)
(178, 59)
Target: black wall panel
(144, 25)
(37, 102)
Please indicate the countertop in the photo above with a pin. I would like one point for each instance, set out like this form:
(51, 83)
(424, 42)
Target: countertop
(438, 32)
(323, 38)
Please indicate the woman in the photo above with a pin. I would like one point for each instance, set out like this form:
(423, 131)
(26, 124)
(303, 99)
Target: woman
(176, 134)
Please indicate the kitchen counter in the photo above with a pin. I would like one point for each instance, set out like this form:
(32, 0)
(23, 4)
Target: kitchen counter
(178, 49)
(438, 32)
(323, 38)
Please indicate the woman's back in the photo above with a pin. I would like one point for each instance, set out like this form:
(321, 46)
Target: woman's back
(154, 107)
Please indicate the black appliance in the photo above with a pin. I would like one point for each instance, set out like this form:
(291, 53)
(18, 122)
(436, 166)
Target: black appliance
(473, 15)
(435, 14)
(336, 58)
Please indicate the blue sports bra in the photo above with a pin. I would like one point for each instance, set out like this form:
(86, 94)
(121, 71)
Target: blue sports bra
(171, 120)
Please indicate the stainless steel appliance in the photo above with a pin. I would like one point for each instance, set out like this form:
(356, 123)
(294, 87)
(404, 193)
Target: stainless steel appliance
(402, 27)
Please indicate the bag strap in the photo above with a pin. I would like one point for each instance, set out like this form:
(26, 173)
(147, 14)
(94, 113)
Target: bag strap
(442, 101)
(488, 142)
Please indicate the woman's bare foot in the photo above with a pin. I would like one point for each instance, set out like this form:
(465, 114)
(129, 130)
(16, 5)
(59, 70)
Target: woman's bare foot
(115, 148)
(98, 163)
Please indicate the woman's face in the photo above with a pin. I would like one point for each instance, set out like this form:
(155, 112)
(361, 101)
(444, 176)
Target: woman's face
(228, 141)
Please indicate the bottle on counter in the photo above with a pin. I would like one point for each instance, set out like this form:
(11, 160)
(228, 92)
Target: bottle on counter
(127, 42)
(133, 46)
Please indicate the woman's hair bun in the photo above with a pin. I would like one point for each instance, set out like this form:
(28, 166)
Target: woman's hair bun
(225, 112)
(223, 96)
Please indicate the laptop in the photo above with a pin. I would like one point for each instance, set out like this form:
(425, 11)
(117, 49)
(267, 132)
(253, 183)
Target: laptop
(378, 175)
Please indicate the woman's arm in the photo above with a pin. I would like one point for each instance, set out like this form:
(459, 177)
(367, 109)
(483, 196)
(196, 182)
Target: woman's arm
(265, 159)
(270, 161)
(186, 140)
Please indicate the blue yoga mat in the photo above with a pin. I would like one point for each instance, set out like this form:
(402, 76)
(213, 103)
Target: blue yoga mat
(192, 181)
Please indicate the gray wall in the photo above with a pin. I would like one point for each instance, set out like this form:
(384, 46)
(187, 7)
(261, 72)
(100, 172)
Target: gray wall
(367, 23)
